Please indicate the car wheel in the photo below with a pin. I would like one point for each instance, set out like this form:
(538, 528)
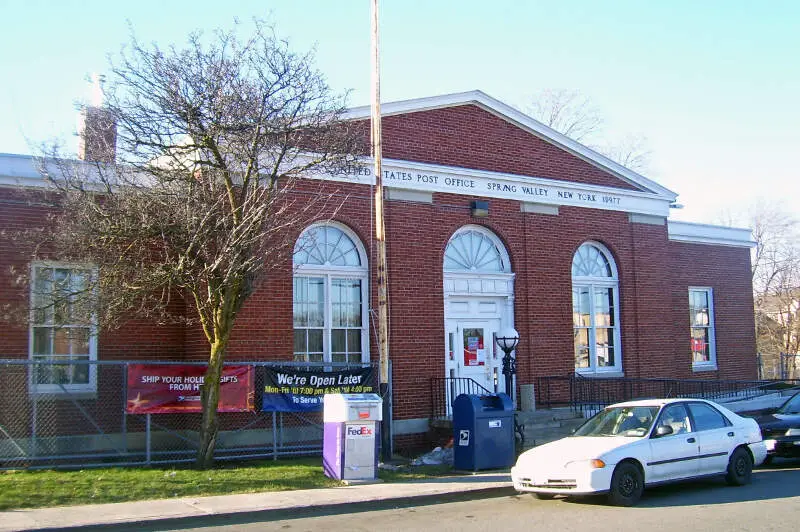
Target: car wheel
(627, 485)
(544, 496)
(740, 468)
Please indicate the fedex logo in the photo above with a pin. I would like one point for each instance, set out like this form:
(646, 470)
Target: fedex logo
(359, 431)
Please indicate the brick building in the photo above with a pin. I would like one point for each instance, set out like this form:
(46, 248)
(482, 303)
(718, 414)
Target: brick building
(573, 250)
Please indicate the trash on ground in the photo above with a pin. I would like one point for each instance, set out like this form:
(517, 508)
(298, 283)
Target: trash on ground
(438, 456)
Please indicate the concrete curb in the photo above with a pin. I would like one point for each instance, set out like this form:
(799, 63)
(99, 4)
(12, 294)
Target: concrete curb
(255, 507)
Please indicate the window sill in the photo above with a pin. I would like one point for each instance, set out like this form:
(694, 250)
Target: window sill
(601, 375)
(699, 369)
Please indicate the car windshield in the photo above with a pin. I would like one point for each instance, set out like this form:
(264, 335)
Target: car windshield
(792, 406)
(628, 421)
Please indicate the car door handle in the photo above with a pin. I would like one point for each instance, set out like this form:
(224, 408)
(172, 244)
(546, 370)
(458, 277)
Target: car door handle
(690, 440)
(730, 434)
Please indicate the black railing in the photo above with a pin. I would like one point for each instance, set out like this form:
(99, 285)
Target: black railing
(444, 390)
(585, 394)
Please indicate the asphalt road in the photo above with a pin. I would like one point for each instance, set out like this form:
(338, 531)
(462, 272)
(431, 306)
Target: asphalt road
(771, 502)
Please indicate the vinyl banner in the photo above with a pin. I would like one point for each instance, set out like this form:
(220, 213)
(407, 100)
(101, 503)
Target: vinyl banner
(296, 390)
(164, 389)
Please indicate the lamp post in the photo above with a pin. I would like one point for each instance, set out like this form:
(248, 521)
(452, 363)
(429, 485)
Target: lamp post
(507, 340)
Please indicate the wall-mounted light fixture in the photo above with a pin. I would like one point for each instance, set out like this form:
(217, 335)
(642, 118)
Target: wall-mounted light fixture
(479, 209)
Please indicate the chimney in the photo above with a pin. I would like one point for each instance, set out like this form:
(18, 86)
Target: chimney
(97, 129)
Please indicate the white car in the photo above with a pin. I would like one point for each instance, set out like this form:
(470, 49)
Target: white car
(628, 446)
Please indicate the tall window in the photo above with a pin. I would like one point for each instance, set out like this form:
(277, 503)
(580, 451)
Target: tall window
(330, 296)
(595, 310)
(701, 318)
(62, 329)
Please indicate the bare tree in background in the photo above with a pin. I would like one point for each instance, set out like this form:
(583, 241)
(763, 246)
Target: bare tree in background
(567, 112)
(575, 116)
(203, 198)
(776, 282)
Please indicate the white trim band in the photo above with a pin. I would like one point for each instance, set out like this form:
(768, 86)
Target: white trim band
(710, 234)
(425, 177)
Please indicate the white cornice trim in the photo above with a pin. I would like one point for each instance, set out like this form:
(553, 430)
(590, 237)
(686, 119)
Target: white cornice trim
(26, 170)
(19, 170)
(412, 175)
(710, 234)
(522, 120)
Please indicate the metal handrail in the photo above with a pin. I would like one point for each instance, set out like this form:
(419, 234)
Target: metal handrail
(445, 389)
(584, 394)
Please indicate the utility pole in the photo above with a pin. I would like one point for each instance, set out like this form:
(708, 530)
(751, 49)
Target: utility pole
(380, 238)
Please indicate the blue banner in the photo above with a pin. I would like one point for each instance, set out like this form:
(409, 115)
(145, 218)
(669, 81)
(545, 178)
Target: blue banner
(288, 389)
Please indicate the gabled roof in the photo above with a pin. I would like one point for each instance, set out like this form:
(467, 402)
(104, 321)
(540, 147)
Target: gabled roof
(521, 120)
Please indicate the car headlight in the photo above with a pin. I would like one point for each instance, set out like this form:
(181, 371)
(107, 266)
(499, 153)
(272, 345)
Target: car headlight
(793, 432)
(594, 463)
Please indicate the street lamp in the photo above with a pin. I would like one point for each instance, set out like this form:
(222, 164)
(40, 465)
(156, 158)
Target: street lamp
(507, 340)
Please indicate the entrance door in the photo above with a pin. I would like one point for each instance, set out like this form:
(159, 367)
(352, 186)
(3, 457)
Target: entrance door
(472, 353)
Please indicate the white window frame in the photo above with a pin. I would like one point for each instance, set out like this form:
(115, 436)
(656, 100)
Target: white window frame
(592, 283)
(499, 248)
(330, 272)
(39, 388)
(711, 363)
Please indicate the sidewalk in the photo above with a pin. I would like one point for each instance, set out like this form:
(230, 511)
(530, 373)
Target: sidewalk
(152, 512)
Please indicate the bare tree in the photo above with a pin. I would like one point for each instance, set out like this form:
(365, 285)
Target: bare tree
(776, 281)
(575, 116)
(567, 112)
(631, 152)
(204, 196)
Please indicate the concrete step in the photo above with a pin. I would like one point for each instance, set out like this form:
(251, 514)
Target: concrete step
(544, 416)
(532, 424)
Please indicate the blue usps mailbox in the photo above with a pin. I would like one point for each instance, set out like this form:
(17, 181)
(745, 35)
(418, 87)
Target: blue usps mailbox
(483, 432)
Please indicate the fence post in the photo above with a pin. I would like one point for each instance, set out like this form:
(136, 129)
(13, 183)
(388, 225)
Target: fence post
(147, 439)
(124, 407)
(35, 415)
(274, 437)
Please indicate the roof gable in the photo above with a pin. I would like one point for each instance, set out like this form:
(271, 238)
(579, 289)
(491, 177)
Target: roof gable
(473, 130)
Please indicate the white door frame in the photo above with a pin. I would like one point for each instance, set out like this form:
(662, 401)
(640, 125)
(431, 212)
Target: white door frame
(471, 297)
(488, 362)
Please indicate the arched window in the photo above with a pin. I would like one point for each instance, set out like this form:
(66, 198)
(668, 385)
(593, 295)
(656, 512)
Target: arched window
(475, 249)
(595, 310)
(330, 296)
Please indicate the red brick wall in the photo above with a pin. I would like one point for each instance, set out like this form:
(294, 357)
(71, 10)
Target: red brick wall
(727, 271)
(654, 280)
(135, 340)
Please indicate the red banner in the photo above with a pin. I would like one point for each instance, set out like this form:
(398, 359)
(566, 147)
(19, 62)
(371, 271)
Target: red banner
(162, 389)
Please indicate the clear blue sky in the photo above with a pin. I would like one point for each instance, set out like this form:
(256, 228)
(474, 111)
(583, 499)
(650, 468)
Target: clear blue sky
(713, 85)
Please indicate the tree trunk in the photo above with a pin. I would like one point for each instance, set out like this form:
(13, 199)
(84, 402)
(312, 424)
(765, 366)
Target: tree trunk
(210, 399)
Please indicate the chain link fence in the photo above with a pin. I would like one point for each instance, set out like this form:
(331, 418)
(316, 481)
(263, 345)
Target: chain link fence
(79, 419)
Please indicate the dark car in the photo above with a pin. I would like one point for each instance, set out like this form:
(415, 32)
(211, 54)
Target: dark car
(781, 429)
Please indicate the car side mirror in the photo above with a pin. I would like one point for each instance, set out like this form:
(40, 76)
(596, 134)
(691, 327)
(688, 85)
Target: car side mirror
(663, 430)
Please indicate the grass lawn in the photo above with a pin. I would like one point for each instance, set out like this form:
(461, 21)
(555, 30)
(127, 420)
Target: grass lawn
(35, 489)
